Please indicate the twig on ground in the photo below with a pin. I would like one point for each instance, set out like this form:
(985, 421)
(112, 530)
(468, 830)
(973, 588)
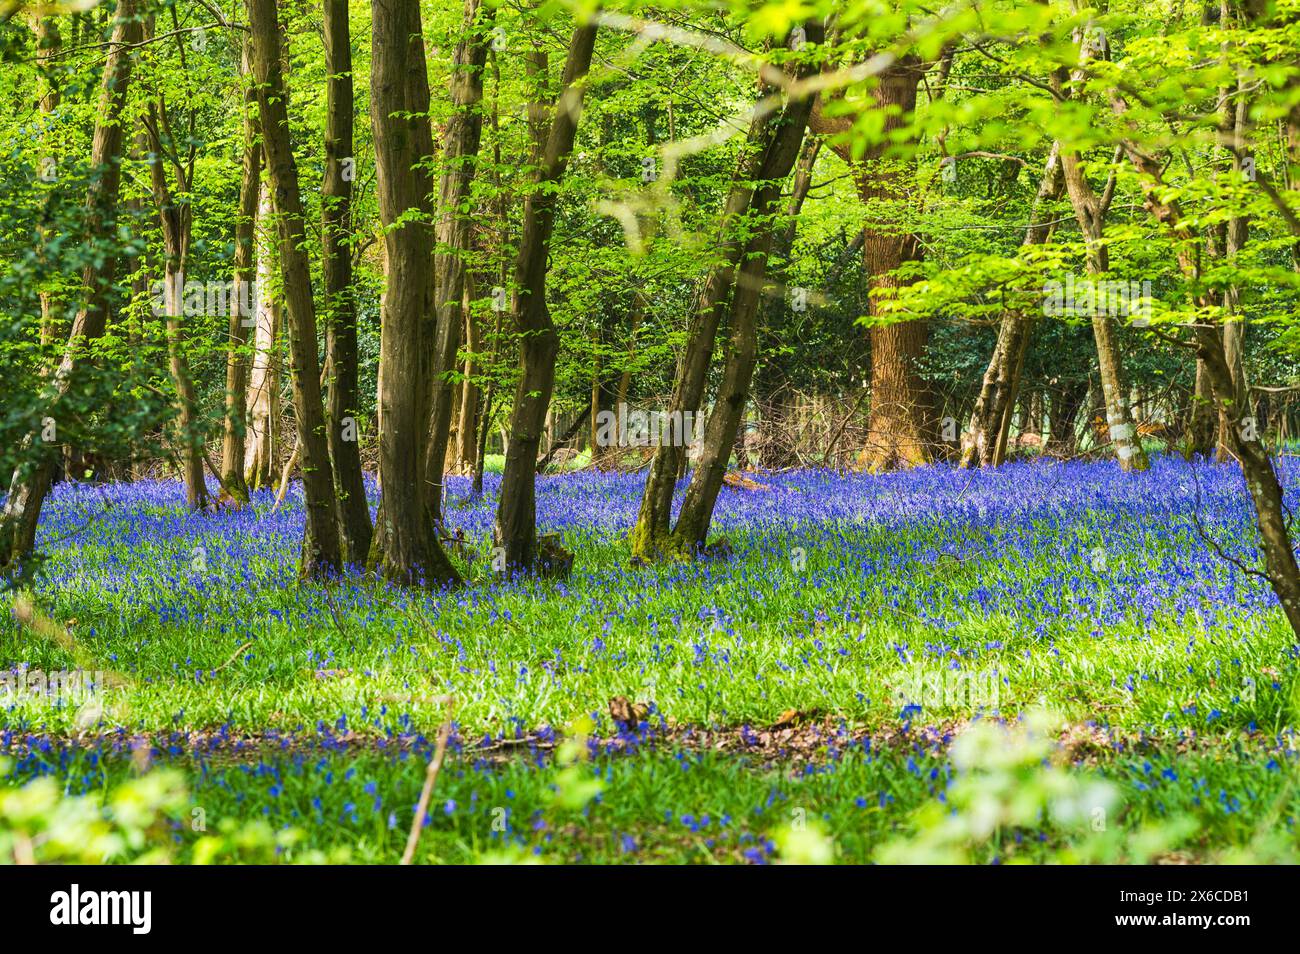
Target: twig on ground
(430, 777)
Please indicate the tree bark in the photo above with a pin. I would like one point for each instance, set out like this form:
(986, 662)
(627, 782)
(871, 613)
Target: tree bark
(460, 157)
(652, 534)
(48, 48)
(263, 407)
(1063, 408)
(1119, 417)
(1202, 417)
(404, 548)
(237, 360)
(1234, 327)
(467, 429)
(342, 397)
(898, 424)
(515, 529)
(175, 216)
(984, 443)
(321, 549)
(32, 478)
(723, 426)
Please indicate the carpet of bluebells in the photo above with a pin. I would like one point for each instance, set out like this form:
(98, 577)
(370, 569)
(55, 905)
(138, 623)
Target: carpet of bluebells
(812, 672)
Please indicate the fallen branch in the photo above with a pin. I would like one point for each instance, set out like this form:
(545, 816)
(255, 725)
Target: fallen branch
(284, 477)
(430, 777)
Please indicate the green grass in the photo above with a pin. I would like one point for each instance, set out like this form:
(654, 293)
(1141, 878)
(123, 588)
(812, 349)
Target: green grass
(852, 649)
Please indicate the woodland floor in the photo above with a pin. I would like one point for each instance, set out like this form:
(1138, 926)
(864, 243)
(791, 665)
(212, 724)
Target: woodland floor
(821, 673)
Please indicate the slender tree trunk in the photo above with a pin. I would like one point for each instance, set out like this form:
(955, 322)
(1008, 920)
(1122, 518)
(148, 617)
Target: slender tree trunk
(175, 216)
(321, 549)
(516, 528)
(1119, 416)
(263, 406)
(31, 480)
(652, 535)
(983, 444)
(467, 429)
(49, 45)
(189, 432)
(405, 547)
(769, 391)
(1247, 445)
(1091, 214)
(723, 427)
(1261, 481)
(1234, 328)
(342, 396)
(460, 156)
(242, 300)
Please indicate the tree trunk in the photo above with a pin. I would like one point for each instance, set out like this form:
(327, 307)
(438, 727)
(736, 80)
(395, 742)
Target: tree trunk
(1091, 214)
(983, 444)
(652, 534)
(175, 216)
(467, 429)
(321, 550)
(1256, 466)
(405, 547)
(1119, 417)
(460, 156)
(32, 478)
(342, 397)
(48, 48)
(1202, 417)
(898, 424)
(1234, 328)
(1261, 480)
(263, 409)
(1063, 408)
(237, 362)
(723, 427)
(516, 529)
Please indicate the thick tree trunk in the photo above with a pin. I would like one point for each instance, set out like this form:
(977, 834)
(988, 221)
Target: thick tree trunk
(899, 423)
(263, 409)
(31, 480)
(516, 528)
(237, 361)
(460, 157)
(1202, 417)
(405, 547)
(342, 397)
(983, 444)
(321, 550)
